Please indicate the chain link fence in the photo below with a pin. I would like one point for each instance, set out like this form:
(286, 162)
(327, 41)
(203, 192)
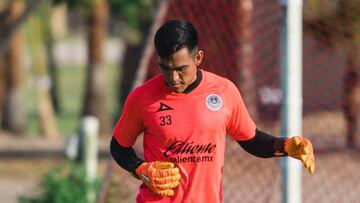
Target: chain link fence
(240, 39)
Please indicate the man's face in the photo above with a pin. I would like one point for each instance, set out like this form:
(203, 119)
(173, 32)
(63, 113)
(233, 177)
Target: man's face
(180, 70)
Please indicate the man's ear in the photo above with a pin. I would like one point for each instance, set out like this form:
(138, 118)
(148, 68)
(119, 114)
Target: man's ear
(198, 57)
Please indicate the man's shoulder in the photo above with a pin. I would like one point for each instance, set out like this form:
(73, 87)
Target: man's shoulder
(147, 87)
(151, 83)
(217, 79)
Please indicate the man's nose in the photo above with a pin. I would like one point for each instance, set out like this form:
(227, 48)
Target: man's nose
(174, 75)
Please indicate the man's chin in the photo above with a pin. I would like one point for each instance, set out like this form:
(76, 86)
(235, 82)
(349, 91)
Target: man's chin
(177, 89)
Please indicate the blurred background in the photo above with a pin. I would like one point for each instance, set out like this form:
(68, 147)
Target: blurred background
(62, 61)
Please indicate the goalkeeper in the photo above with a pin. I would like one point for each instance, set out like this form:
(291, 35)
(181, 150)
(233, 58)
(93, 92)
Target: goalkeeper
(185, 114)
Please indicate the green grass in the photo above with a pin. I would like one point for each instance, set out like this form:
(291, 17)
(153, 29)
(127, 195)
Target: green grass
(71, 82)
(71, 93)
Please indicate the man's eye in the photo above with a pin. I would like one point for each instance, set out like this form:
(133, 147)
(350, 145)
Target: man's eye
(182, 69)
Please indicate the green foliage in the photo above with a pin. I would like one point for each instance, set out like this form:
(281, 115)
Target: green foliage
(75, 3)
(134, 12)
(64, 185)
(43, 14)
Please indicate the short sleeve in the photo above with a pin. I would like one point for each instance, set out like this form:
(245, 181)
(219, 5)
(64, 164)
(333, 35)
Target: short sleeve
(240, 126)
(130, 124)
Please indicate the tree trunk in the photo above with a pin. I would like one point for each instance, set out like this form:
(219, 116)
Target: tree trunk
(130, 64)
(53, 73)
(14, 116)
(246, 55)
(7, 30)
(95, 101)
(352, 97)
(2, 88)
(56, 30)
(45, 109)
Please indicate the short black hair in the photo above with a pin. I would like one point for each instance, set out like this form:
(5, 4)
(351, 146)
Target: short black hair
(174, 35)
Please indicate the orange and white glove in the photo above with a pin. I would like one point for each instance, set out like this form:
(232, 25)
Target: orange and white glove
(159, 176)
(301, 148)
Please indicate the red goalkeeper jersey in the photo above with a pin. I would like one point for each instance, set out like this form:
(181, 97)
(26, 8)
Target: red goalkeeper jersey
(188, 130)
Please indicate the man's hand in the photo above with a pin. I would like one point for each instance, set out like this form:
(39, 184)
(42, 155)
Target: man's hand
(301, 148)
(160, 177)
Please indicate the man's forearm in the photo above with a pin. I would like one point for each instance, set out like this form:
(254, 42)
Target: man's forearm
(264, 145)
(125, 156)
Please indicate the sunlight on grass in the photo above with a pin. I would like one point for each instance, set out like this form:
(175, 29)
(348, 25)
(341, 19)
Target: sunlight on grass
(71, 82)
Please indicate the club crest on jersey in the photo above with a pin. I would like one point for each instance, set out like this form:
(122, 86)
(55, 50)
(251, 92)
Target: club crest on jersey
(213, 102)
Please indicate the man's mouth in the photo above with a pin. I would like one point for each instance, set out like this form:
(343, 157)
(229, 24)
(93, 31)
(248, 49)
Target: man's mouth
(175, 84)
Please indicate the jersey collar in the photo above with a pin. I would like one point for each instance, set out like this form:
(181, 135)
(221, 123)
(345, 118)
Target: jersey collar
(196, 83)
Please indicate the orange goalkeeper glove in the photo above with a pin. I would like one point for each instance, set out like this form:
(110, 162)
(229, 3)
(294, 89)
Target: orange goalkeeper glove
(159, 176)
(301, 148)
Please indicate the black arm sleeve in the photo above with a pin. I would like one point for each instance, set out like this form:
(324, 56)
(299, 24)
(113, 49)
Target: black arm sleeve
(125, 157)
(264, 145)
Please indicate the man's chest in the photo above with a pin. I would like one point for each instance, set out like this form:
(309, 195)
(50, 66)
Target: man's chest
(190, 116)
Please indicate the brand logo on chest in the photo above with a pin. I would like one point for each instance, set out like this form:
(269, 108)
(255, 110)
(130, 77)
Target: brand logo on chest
(164, 107)
(182, 152)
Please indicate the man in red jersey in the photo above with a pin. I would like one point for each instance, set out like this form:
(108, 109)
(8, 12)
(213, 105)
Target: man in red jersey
(185, 114)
